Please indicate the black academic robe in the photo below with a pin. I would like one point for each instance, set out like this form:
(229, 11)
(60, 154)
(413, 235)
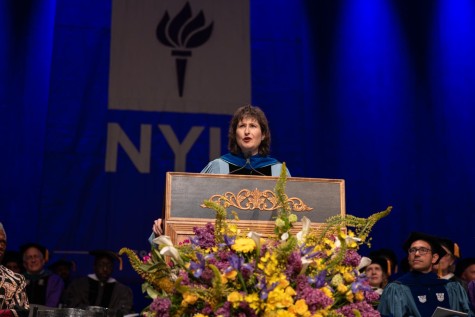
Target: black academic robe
(89, 291)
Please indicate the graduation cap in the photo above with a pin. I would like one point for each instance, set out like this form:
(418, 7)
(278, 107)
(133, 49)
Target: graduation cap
(451, 246)
(381, 261)
(112, 256)
(37, 246)
(462, 265)
(431, 240)
(389, 255)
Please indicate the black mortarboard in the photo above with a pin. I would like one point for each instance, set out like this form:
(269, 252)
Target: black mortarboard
(37, 246)
(389, 255)
(462, 265)
(383, 262)
(431, 240)
(451, 246)
(107, 254)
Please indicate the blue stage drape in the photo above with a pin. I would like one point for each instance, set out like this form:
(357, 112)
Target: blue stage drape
(379, 93)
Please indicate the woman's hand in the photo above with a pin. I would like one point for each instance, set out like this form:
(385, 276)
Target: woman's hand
(157, 227)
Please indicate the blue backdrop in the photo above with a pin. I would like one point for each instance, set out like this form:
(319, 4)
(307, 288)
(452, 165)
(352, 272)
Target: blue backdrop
(379, 93)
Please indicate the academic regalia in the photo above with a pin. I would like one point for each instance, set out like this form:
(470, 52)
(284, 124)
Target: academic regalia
(89, 291)
(419, 294)
(240, 165)
(44, 288)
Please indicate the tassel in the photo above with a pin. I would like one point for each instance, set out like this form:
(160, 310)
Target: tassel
(389, 266)
(456, 251)
(120, 263)
(46, 255)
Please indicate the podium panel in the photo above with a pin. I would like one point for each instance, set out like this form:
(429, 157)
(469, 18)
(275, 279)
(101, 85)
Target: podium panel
(252, 198)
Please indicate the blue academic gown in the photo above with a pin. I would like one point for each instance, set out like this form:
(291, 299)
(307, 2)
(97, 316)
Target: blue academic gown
(419, 294)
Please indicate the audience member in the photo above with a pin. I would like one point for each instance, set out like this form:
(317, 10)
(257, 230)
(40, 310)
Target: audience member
(446, 266)
(390, 257)
(420, 291)
(13, 299)
(43, 286)
(99, 288)
(377, 273)
(63, 269)
(12, 260)
(465, 269)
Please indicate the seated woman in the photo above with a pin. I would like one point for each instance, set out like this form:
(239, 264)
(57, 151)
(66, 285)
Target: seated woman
(377, 273)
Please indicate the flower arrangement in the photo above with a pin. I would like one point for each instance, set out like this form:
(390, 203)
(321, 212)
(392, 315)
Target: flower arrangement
(223, 271)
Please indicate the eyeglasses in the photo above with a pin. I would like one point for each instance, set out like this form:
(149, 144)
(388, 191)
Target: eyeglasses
(33, 257)
(421, 250)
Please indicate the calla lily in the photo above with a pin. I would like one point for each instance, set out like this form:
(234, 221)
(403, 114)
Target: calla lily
(364, 262)
(284, 236)
(257, 240)
(172, 252)
(305, 263)
(305, 228)
(163, 240)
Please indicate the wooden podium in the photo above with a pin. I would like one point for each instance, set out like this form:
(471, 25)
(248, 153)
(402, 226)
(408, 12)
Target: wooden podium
(251, 197)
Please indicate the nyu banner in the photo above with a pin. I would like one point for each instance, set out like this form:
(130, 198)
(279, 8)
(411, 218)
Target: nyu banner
(180, 56)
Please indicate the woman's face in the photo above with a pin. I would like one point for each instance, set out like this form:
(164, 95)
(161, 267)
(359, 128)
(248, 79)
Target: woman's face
(249, 135)
(375, 275)
(444, 263)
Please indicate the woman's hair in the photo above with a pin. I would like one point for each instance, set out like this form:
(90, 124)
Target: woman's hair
(249, 111)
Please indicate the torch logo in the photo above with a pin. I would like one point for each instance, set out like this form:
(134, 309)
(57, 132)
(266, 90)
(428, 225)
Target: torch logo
(183, 33)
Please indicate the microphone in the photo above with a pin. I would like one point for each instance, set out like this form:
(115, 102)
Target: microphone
(248, 162)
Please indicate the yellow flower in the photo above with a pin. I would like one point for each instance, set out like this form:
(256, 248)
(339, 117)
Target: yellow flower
(348, 277)
(359, 296)
(342, 288)
(350, 296)
(244, 245)
(327, 291)
(300, 308)
(189, 299)
(236, 298)
(199, 315)
(253, 300)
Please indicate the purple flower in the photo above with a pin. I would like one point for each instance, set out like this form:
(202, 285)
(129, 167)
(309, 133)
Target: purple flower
(161, 306)
(204, 237)
(315, 298)
(364, 308)
(294, 265)
(352, 258)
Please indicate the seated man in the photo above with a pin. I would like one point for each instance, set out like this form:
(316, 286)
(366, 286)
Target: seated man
(100, 289)
(420, 291)
(43, 286)
(13, 299)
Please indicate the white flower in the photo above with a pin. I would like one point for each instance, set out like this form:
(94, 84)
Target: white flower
(284, 236)
(305, 264)
(305, 228)
(163, 240)
(168, 249)
(172, 252)
(256, 237)
(364, 262)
